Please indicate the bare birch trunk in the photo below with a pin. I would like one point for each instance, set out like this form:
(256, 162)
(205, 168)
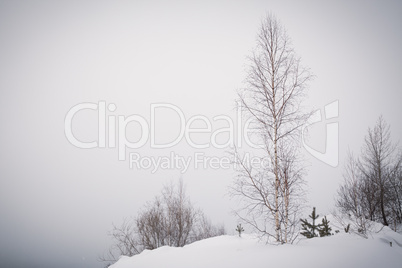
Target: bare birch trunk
(275, 88)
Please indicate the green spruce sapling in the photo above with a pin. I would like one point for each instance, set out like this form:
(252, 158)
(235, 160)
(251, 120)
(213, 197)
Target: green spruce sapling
(309, 229)
(324, 229)
(239, 229)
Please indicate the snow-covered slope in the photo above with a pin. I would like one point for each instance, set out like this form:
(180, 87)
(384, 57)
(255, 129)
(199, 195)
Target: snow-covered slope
(341, 250)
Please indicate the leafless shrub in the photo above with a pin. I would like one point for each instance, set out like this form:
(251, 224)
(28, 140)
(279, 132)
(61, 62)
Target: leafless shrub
(169, 220)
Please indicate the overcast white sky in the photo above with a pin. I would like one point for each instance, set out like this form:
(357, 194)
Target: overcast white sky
(57, 202)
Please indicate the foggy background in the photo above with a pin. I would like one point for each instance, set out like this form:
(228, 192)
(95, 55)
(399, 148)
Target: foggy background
(57, 202)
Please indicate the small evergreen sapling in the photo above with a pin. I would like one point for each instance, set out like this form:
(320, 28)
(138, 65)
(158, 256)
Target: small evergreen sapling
(239, 229)
(324, 229)
(309, 229)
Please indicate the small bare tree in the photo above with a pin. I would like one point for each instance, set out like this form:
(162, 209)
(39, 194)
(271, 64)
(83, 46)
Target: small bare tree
(275, 87)
(372, 189)
(353, 196)
(377, 164)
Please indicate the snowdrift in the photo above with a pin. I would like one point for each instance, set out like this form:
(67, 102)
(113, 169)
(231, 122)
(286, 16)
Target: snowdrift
(341, 250)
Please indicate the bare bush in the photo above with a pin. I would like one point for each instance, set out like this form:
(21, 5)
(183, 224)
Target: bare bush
(169, 220)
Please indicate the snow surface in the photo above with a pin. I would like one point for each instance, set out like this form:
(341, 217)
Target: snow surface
(340, 250)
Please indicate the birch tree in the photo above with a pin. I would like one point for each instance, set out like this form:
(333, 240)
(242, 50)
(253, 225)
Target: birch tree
(275, 87)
